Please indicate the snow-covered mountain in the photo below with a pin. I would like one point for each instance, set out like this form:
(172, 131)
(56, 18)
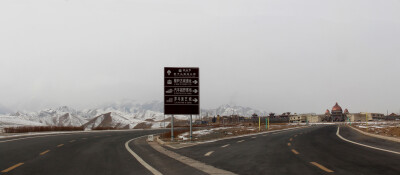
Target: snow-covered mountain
(124, 114)
(226, 110)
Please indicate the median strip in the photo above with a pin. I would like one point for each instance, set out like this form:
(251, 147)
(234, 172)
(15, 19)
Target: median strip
(209, 153)
(295, 152)
(11, 168)
(321, 167)
(44, 152)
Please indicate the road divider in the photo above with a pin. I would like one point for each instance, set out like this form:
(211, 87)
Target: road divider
(208, 169)
(322, 167)
(12, 167)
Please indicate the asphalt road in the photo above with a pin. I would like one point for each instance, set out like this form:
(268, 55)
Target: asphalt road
(313, 150)
(78, 153)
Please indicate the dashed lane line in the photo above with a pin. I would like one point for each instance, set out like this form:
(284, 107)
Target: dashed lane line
(240, 141)
(254, 137)
(322, 167)
(44, 152)
(84, 138)
(60, 145)
(72, 141)
(12, 167)
(209, 153)
(295, 152)
(225, 146)
(380, 149)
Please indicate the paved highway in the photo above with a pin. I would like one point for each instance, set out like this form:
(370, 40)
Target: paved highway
(312, 150)
(78, 153)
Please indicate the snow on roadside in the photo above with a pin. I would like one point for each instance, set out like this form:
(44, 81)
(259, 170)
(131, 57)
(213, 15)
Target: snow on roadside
(185, 135)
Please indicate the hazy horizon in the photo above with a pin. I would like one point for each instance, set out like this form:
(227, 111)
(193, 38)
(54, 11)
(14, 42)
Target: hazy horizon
(277, 56)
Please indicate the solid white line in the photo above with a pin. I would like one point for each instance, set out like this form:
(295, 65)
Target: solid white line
(141, 161)
(225, 146)
(337, 133)
(209, 153)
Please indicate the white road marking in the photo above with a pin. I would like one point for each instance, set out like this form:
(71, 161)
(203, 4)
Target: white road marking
(225, 146)
(209, 153)
(240, 141)
(337, 133)
(254, 137)
(141, 161)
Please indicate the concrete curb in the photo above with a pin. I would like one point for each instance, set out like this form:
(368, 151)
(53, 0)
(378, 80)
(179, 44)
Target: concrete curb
(190, 162)
(376, 136)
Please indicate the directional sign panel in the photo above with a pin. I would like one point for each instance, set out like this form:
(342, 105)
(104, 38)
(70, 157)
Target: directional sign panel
(181, 90)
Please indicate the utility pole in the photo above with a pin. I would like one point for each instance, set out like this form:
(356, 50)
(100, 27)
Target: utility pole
(172, 128)
(190, 127)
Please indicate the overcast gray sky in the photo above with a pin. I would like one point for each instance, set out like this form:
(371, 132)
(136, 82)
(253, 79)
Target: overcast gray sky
(273, 55)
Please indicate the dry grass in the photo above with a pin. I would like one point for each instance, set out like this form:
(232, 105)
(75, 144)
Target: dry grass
(389, 131)
(177, 132)
(23, 129)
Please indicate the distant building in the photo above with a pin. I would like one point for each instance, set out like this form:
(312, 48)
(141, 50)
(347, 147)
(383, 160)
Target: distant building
(336, 115)
(362, 117)
(304, 118)
(392, 116)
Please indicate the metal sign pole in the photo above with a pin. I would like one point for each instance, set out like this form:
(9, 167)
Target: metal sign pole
(172, 128)
(190, 127)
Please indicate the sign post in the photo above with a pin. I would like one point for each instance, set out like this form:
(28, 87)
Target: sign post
(181, 92)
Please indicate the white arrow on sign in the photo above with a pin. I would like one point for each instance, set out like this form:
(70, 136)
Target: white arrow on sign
(195, 81)
(195, 100)
(195, 91)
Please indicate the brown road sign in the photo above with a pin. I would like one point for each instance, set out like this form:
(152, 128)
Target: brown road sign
(181, 90)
